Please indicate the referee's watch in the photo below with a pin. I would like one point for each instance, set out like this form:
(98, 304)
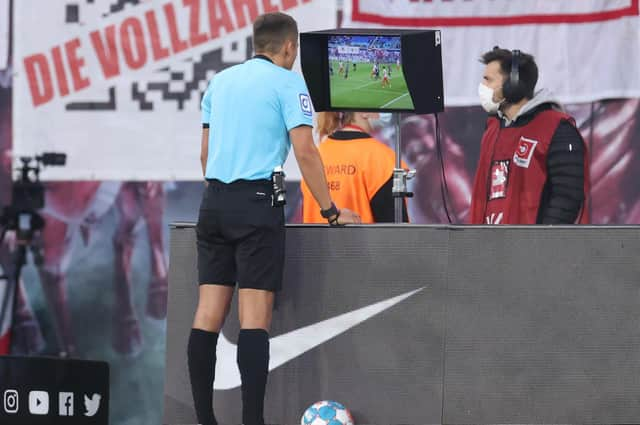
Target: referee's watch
(330, 212)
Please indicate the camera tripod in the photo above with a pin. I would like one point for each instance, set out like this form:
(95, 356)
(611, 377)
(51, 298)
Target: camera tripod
(26, 226)
(22, 217)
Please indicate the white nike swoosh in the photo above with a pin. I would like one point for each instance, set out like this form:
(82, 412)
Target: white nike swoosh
(293, 344)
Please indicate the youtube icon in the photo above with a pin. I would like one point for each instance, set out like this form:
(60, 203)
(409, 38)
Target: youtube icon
(38, 402)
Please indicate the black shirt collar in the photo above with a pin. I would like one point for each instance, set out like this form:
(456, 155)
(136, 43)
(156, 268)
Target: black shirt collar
(349, 135)
(262, 57)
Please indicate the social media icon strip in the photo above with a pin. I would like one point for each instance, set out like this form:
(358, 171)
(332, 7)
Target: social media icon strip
(39, 402)
(92, 404)
(11, 401)
(65, 404)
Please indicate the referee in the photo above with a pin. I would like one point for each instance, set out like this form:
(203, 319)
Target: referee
(251, 113)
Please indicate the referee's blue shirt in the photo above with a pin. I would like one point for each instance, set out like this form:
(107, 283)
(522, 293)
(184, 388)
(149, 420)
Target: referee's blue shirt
(250, 109)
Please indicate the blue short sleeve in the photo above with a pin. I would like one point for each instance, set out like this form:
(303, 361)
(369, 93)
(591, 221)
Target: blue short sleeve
(296, 103)
(205, 105)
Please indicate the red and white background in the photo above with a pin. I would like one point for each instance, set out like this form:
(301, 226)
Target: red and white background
(588, 52)
(586, 49)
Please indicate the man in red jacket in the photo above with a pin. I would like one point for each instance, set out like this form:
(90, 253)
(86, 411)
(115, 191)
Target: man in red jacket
(533, 166)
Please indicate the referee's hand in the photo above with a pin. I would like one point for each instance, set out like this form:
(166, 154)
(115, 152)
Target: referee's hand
(348, 217)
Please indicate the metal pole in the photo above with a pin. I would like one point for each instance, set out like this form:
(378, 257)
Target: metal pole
(398, 201)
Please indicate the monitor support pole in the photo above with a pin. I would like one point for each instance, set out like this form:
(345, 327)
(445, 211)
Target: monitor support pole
(400, 176)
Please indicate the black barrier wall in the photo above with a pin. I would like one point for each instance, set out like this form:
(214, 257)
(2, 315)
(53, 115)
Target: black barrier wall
(424, 325)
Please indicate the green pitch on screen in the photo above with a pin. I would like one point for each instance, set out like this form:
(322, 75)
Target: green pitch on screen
(361, 90)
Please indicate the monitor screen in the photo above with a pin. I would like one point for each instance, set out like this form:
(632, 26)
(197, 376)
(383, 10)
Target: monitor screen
(365, 72)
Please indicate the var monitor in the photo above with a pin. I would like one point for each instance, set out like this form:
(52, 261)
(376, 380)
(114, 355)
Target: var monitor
(373, 70)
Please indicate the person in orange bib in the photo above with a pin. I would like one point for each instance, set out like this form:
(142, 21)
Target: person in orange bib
(359, 168)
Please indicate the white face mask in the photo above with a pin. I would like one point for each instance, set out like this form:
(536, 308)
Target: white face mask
(382, 121)
(486, 99)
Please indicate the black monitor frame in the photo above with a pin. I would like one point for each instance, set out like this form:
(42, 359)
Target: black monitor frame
(421, 52)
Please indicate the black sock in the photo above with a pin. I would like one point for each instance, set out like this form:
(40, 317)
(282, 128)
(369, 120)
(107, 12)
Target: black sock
(253, 361)
(201, 354)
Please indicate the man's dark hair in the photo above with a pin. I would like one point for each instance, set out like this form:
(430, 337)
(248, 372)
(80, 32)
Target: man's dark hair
(527, 66)
(271, 30)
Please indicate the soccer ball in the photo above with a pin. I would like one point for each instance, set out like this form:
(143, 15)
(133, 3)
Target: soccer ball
(327, 413)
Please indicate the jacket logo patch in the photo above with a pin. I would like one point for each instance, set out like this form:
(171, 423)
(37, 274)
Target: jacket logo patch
(305, 104)
(499, 179)
(524, 152)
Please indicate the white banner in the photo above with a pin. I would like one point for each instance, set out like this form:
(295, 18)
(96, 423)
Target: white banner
(585, 49)
(4, 33)
(117, 87)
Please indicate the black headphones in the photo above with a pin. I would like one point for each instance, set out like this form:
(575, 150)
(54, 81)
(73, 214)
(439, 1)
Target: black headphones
(513, 89)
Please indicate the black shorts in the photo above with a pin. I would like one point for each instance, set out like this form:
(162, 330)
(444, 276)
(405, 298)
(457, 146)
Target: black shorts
(240, 236)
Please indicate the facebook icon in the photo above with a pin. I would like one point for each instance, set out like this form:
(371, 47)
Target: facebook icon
(65, 404)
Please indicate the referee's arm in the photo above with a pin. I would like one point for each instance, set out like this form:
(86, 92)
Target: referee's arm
(204, 149)
(205, 105)
(310, 164)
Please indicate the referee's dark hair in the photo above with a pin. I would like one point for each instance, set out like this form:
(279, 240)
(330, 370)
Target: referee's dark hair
(528, 70)
(271, 30)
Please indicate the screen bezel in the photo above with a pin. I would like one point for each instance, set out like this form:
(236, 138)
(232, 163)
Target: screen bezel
(421, 52)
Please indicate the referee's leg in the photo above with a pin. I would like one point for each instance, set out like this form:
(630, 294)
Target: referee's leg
(217, 276)
(255, 310)
(213, 306)
(214, 302)
(260, 266)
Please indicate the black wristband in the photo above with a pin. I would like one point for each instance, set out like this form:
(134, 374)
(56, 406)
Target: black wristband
(331, 211)
(334, 221)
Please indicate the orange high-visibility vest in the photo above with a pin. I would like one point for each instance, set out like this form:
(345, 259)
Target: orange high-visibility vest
(355, 169)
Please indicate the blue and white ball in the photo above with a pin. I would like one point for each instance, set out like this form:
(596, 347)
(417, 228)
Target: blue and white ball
(327, 413)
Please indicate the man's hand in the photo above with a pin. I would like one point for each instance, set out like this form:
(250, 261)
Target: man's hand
(348, 217)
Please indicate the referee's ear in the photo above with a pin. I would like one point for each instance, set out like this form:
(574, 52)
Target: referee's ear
(290, 52)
